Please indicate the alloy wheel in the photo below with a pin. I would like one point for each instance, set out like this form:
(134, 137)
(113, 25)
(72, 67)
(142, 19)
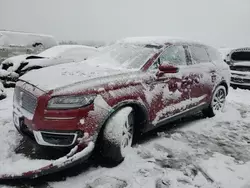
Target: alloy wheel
(219, 99)
(127, 135)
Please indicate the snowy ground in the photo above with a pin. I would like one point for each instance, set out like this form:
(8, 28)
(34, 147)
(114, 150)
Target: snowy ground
(196, 153)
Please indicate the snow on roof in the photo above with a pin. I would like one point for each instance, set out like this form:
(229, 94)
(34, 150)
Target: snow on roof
(156, 40)
(17, 38)
(54, 51)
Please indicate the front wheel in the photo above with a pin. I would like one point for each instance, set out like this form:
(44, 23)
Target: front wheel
(217, 103)
(118, 135)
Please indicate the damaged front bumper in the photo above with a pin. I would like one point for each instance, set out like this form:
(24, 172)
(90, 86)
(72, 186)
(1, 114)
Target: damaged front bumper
(83, 146)
(76, 155)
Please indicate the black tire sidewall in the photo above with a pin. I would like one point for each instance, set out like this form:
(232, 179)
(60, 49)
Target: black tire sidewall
(111, 151)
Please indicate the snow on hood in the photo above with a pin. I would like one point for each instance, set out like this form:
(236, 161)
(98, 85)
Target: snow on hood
(45, 62)
(15, 60)
(58, 76)
(61, 54)
(60, 49)
(4, 73)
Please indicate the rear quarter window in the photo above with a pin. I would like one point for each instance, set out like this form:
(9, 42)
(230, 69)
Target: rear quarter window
(199, 54)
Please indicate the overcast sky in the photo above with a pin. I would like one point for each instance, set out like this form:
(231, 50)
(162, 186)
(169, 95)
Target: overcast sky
(216, 22)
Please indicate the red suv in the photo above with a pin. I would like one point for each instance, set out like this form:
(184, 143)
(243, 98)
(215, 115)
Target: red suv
(132, 86)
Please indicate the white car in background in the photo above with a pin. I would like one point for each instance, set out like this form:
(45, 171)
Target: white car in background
(14, 43)
(53, 56)
(238, 60)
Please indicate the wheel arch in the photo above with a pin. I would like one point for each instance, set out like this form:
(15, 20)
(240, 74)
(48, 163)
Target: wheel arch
(141, 117)
(223, 83)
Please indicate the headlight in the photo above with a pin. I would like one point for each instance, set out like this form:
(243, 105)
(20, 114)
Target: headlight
(69, 102)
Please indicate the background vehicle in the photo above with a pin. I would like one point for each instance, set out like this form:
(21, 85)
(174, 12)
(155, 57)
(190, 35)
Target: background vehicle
(56, 55)
(239, 61)
(14, 43)
(2, 92)
(8, 79)
(131, 87)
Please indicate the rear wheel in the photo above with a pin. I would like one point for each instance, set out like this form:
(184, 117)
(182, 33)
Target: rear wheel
(118, 135)
(217, 102)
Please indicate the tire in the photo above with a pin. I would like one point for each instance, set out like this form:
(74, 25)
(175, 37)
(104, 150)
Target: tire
(118, 136)
(217, 103)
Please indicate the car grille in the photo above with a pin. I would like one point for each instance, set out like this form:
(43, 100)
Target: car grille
(26, 100)
(58, 139)
(240, 68)
(240, 80)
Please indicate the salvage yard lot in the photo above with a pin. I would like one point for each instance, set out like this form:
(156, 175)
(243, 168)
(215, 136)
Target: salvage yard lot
(195, 152)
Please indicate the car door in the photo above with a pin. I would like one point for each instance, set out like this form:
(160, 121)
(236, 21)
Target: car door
(166, 95)
(204, 72)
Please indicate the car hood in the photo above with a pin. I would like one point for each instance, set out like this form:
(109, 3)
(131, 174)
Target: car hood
(60, 76)
(44, 62)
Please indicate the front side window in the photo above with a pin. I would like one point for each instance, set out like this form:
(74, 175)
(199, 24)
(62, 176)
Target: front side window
(173, 55)
(199, 54)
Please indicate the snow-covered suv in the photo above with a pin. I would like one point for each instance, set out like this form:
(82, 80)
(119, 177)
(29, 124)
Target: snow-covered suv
(132, 86)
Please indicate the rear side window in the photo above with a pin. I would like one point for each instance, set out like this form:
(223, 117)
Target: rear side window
(214, 54)
(199, 54)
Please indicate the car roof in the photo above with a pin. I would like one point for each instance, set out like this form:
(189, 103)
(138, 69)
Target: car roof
(157, 40)
(17, 38)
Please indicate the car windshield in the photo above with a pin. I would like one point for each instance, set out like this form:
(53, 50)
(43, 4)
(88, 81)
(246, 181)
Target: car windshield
(122, 55)
(241, 56)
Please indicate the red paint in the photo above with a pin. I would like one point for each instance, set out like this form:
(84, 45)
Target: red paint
(134, 90)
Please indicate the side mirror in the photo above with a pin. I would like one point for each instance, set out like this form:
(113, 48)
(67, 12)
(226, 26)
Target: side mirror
(168, 68)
